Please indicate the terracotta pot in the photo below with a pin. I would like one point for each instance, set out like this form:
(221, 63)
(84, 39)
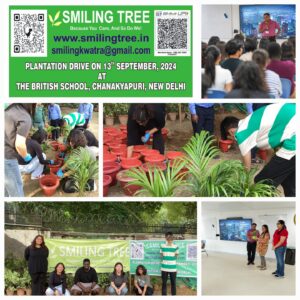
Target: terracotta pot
(119, 152)
(155, 159)
(140, 148)
(124, 138)
(148, 166)
(49, 184)
(182, 116)
(111, 169)
(54, 145)
(9, 292)
(136, 155)
(20, 292)
(106, 183)
(124, 181)
(109, 158)
(149, 152)
(172, 116)
(123, 119)
(128, 163)
(123, 127)
(115, 134)
(109, 129)
(105, 149)
(62, 147)
(225, 145)
(262, 154)
(28, 292)
(114, 146)
(109, 121)
(107, 139)
(171, 155)
(54, 168)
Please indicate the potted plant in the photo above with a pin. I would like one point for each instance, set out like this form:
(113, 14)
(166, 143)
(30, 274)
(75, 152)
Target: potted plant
(49, 184)
(184, 110)
(83, 168)
(172, 110)
(154, 282)
(10, 279)
(27, 282)
(121, 110)
(108, 110)
(21, 285)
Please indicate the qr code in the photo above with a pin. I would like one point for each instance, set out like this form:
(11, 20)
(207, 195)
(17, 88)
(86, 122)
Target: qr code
(28, 33)
(172, 33)
(191, 252)
(137, 251)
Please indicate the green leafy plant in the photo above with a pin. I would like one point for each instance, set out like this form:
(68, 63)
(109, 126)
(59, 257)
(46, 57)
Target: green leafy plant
(172, 107)
(11, 279)
(227, 178)
(103, 280)
(83, 168)
(121, 109)
(158, 183)
(108, 110)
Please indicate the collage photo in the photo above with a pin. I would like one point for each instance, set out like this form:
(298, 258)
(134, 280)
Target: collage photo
(149, 148)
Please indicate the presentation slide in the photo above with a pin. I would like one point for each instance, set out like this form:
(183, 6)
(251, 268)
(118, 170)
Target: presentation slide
(234, 229)
(252, 15)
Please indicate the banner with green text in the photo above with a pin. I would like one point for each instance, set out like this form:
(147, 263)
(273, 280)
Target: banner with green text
(100, 51)
(102, 253)
(147, 253)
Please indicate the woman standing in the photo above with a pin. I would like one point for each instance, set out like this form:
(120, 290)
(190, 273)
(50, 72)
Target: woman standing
(118, 281)
(262, 246)
(37, 257)
(58, 282)
(142, 284)
(143, 121)
(279, 246)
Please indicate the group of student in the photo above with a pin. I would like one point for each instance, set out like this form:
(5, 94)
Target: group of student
(259, 242)
(23, 152)
(86, 278)
(244, 68)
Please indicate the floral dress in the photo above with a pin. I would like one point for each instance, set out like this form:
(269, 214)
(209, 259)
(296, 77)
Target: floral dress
(263, 244)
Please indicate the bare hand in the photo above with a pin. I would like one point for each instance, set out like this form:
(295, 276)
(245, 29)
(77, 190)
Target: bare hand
(195, 118)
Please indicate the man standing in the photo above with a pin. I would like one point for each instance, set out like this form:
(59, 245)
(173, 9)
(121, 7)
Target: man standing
(87, 110)
(269, 28)
(169, 252)
(203, 117)
(252, 237)
(54, 116)
(85, 281)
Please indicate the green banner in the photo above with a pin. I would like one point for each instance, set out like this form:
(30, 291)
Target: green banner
(100, 51)
(147, 253)
(102, 253)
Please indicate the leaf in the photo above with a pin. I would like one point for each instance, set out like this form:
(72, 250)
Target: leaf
(57, 16)
(51, 19)
(57, 24)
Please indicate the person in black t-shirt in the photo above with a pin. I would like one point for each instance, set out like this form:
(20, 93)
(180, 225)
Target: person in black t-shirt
(58, 282)
(143, 121)
(92, 141)
(36, 256)
(36, 166)
(234, 49)
(85, 281)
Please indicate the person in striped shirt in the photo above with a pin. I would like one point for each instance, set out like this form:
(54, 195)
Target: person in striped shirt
(74, 119)
(169, 252)
(272, 128)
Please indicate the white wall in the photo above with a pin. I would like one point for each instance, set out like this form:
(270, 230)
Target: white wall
(210, 227)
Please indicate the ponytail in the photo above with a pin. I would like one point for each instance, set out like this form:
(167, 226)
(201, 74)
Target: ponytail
(211, 55)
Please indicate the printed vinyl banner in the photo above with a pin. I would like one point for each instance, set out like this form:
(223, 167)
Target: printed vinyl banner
(147, 253)
(102, 253)
(100, 51)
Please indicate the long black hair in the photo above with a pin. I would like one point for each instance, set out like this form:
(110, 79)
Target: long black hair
(55, 268)
(226, 124)
(267, 230)
(212, 53)
(143, 113)
(115, 272)
(40, 136)
(140, 267)
(249, 77)
(33, 243)
(282, 223)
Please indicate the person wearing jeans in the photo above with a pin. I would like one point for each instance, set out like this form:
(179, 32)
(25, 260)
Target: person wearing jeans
(17, 126)
(252, 237)
(279, 246)
(54, 117)
(169, 253)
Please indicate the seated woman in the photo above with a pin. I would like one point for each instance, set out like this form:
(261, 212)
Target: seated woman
(142, 284)
(58, 282)
(118, 281)
(77, 139)
(35, 167)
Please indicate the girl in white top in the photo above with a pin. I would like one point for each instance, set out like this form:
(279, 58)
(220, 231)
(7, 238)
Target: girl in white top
(220, 78)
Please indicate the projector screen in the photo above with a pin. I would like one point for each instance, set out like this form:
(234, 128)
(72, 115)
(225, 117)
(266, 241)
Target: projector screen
(234, 229)
(252, 15)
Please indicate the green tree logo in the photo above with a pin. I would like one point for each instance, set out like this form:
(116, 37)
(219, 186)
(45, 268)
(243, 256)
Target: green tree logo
(54, 21)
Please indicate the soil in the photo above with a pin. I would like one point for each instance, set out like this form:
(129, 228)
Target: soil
(33, 185)
(180, 134)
